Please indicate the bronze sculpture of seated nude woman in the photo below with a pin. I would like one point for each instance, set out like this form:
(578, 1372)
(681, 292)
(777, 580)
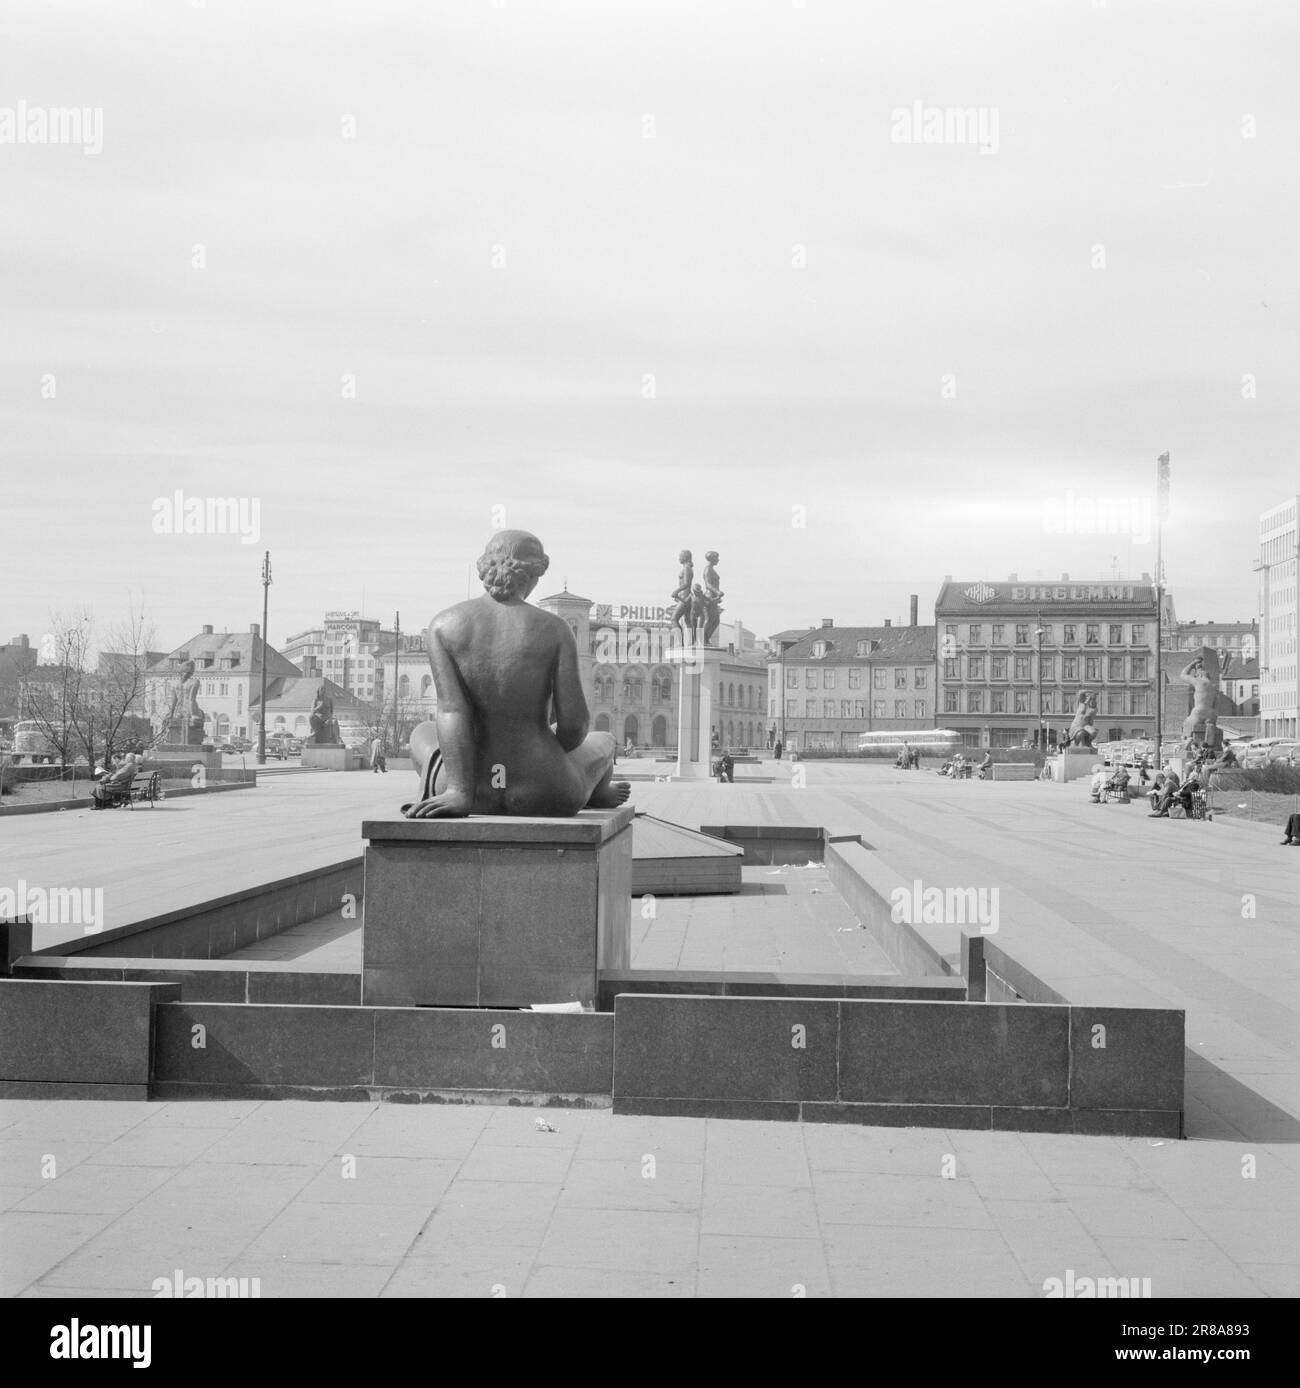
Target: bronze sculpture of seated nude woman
(511, 735)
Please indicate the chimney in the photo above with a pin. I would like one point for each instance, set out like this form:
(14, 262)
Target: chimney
(22, 642)
(207, 630)
(888, 622)
(1013, 578)
(828, 621)
(913, 621)
(255, 628)
(1065, 578)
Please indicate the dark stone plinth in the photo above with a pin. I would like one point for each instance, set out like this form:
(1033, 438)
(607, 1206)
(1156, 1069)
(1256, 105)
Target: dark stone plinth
(495, 911)
(1127, 1058)
(58, 1033)
(1009, 1055)
(724, 1049)
(331, 756)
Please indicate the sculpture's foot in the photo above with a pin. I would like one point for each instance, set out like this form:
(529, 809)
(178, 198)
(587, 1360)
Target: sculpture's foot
(609, 795)
(448, 805)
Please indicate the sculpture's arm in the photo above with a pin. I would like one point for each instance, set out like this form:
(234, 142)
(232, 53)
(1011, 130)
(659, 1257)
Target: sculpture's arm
(568, 703)
(1185, 674)
(455, 719)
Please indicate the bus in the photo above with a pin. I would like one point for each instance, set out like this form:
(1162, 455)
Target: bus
(929, 742)
(30, 742)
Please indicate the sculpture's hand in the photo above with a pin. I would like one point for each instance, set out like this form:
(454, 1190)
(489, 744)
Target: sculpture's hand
(449, 805)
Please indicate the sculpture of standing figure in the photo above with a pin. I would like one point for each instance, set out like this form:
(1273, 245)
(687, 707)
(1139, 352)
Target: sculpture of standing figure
(1084, 729)
(712, 596)
(322, 717)
(503, 669)
(182, 725)
(681, 595)
(1202, 674)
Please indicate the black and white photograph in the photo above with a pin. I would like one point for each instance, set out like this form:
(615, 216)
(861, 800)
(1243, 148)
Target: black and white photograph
(502, 503)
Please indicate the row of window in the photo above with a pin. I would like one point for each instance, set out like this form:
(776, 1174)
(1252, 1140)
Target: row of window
(882, 677)
(1134, 702)
(206, 662)
(1026, 633)
(995, 667)
(852, 708)
(661, 691)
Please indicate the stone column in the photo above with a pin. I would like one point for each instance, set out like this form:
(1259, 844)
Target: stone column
(698, 667)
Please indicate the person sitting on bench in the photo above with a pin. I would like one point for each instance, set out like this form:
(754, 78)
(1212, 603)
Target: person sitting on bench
(112, 786)
(1160, 803)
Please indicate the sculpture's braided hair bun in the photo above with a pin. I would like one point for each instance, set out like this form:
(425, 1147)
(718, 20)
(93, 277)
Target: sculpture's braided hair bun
(512, 561)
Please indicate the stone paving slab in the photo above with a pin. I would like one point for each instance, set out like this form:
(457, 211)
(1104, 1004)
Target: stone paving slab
(362, 1200)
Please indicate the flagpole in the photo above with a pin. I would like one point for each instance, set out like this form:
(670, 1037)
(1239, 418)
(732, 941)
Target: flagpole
(1162, 501)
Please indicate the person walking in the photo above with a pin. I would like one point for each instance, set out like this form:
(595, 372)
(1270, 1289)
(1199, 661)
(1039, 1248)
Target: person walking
(378, 762)
(778, 748)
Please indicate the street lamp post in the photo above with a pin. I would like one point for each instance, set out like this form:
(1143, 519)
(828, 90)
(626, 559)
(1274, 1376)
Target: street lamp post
(266, 593)
(1042, 728)
(397, 665)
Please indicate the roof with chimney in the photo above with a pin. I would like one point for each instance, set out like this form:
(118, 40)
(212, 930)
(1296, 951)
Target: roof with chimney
(902, 645)
(210, 650)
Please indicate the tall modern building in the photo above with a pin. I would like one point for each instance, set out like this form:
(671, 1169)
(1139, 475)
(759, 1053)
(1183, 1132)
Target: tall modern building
(1279, 668)
(345, 649)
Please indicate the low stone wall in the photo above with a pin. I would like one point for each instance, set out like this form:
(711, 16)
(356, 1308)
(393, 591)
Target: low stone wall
(218, 927)
(77, 1040)
(386, 1052)
(911, 1064)
(867, 885)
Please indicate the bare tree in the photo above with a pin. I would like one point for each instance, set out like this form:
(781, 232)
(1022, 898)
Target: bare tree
(80, 711)
(51, 694)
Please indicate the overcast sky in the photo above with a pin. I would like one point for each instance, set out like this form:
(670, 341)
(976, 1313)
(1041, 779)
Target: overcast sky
(643, 275)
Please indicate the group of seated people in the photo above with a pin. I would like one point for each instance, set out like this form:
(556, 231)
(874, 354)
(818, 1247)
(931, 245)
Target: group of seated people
(961, 767)
(1169, 788)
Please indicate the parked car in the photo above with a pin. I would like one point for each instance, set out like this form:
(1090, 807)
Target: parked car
(236, 744)
(1256, 754)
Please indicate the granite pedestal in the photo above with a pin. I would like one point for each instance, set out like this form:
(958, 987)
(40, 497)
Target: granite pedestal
(697, 677)
(331, 756)
(495, 911)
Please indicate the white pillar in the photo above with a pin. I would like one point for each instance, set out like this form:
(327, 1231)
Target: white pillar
(697, 669)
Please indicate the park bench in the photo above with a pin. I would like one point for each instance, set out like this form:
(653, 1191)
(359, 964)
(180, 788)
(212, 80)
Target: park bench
(149, 789)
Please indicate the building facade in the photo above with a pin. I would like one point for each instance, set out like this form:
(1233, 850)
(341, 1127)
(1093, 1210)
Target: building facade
(1238, 639)
(345, 649)
(1000, 644)
(1279, 664)
(832, 684)
(632, 687)
(229, 667)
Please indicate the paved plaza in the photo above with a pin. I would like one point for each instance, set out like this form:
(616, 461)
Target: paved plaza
(359, 1199)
